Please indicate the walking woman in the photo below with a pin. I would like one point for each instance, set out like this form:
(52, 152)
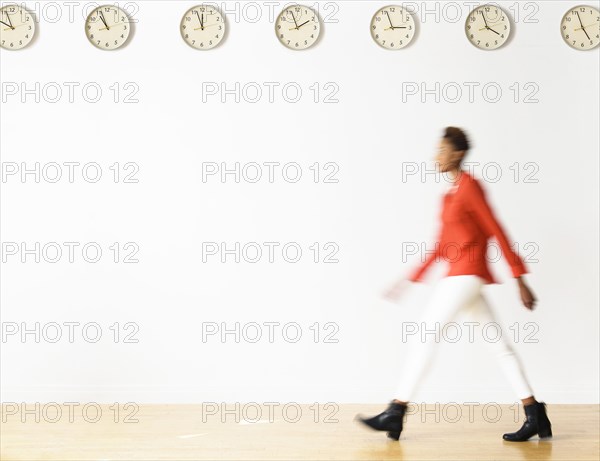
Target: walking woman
(467, 222)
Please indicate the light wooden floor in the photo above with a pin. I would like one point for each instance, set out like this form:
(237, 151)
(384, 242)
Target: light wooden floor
(176, 432)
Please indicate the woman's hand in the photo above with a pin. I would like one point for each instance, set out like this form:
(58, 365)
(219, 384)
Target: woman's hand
(526, 294)
(396, 290)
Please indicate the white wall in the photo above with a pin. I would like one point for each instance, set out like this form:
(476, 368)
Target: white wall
(371, 134)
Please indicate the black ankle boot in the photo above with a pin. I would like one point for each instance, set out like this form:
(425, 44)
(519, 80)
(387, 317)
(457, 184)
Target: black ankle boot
(390, 420)
(536, 422)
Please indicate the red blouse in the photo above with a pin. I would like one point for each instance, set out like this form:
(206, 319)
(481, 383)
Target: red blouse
(467, 222)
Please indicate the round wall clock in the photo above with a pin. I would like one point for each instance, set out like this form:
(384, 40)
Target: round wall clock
(17, 27)
(203, 27)
(488, 27)
(580, 27)
(107, 27)
(298, 27)
(393, 27)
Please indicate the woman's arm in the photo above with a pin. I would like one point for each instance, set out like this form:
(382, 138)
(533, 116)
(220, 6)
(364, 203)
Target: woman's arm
(395, 291)
(419, 272)
(478, 205)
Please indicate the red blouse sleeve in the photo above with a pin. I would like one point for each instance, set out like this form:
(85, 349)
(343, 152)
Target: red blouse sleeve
(432, 256)
(478, 205)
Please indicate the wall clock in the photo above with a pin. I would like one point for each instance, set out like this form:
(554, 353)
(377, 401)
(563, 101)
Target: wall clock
(17, 27)
(203, 27)
(393, 27)
(580, 27)
(488, 27)
(298, 27)
(107, 27)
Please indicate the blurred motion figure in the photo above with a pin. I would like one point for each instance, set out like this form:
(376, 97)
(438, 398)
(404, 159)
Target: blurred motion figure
(467, 223)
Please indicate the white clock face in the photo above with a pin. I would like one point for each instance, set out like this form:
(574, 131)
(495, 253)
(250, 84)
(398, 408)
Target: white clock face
(108, 27)
(203, 27)
(393, 27)
(298, 27)
(488, 27)
(17, 27)
(580, 27)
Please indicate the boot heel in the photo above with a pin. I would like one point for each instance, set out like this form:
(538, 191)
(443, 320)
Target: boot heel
(394, 435)
(544, 425)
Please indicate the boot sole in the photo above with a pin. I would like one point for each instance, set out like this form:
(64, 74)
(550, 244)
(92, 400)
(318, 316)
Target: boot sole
(393, 430)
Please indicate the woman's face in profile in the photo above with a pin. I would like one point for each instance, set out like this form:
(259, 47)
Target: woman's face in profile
(447, 157)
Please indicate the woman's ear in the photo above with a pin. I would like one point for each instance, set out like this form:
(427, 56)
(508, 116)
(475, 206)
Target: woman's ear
(458, 156)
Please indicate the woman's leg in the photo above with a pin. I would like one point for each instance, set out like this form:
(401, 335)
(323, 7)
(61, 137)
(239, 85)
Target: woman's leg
(508, 360)
(450, 295)
(536, 418)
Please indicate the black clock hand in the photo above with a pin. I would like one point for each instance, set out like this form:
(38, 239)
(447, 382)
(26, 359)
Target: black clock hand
(392, 26)
(200, 20)
(306, 22)
(294, 17)
(390, 19)
(103, 20)
(9, 20)
(8, 25)
(583, 28)
(486, 24)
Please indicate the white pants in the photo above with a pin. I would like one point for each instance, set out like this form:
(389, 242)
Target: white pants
(451, 295)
